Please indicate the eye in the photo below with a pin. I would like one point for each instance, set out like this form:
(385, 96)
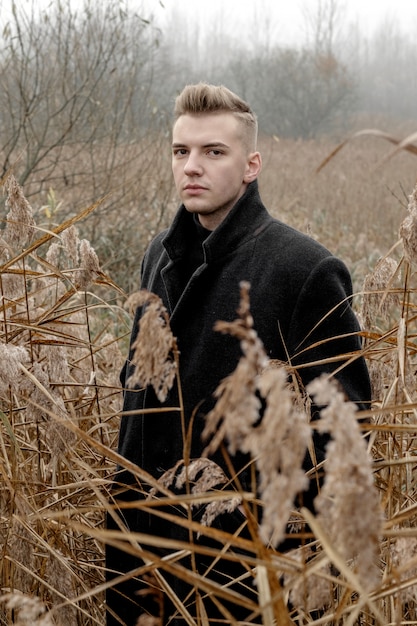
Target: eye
(179, 151)
(215, 152)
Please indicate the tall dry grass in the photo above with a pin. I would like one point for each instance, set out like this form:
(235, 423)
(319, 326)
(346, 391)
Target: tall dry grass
(59, 395)
(353, 205)
(62, 321)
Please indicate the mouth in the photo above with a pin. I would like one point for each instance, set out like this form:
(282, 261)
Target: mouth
(194, 189)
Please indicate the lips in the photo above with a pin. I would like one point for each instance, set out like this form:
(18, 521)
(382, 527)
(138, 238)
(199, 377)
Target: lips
(194, 190)
(190, 187)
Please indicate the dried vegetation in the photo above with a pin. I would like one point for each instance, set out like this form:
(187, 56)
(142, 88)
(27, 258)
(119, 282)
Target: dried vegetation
(62, 323)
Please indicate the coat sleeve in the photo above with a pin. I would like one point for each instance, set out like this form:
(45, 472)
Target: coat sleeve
(323, 338)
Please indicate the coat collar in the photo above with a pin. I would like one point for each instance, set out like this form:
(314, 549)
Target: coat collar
(241, 224)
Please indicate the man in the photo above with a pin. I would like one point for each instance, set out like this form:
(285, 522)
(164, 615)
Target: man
(299, 301)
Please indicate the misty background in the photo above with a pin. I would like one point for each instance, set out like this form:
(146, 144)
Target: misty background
(116, 62)
(328, 72)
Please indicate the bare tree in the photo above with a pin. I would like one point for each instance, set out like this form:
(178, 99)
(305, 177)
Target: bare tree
(323, 22)
(388, 83)
(300, 94)
(77, 116)
(68, 79)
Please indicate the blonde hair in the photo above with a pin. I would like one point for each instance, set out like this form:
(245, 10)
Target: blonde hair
(205, 98)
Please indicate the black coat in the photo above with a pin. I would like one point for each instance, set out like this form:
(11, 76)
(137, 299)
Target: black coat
(294, 283)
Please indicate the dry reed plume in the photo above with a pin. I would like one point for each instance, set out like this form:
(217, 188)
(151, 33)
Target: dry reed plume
(279, 443)
(154, 360)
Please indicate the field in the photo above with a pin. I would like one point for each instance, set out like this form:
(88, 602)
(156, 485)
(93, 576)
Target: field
(64, 325)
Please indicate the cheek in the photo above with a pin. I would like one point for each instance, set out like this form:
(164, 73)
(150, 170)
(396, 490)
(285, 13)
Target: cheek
(232, 177)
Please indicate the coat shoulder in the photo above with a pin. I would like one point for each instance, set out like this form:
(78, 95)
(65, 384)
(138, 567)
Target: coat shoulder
(294, 241)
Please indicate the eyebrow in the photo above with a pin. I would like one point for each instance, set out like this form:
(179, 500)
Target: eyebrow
(211, 144)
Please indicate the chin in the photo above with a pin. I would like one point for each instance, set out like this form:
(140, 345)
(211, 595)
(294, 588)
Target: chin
(192, 208)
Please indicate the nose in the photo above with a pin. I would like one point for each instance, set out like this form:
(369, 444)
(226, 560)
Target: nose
(193, 166)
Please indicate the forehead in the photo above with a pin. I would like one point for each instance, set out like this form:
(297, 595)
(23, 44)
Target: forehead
(206, 128)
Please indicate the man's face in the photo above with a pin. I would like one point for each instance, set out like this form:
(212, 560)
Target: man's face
(210, 164)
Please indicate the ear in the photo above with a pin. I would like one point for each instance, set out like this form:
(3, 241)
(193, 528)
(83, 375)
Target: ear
(253, 167)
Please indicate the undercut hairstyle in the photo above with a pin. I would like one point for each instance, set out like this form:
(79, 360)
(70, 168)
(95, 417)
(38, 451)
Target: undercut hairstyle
(204, 98)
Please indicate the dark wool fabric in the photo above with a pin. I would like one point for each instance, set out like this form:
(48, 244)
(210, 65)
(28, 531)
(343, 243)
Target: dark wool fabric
(300, 302)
